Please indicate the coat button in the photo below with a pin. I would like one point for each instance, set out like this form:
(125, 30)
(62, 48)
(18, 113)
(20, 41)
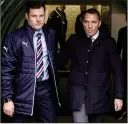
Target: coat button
(86, 72)
(88, 50)
(86, 61)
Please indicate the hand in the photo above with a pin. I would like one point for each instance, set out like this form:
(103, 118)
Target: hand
(8, 108)
(118, 104)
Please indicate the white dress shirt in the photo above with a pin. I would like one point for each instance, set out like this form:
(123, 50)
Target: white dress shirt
(45, 53)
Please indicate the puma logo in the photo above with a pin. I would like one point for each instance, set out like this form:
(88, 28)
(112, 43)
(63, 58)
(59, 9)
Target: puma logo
(25, 43)
(6, 48)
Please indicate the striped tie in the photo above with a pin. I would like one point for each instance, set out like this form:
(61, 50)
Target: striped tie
(39, 58)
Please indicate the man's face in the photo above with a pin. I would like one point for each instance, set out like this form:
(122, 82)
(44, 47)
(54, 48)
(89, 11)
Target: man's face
(62, 8)
(91, 24)
(36, 18)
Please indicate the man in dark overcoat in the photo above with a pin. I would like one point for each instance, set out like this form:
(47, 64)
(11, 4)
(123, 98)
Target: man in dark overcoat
(57, 21)
(93, 56)
(122, 48)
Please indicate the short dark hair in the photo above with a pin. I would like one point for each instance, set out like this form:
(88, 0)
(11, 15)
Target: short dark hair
(34, 4)
(91, 11)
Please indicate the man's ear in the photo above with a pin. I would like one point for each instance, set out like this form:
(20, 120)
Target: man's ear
(26, 16)
(99, 23)
(82, 21)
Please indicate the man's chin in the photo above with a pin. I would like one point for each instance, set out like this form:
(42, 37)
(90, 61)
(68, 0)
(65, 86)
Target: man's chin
(37, 29)
(90, 34)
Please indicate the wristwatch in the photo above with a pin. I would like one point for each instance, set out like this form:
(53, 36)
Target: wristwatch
(7, 100)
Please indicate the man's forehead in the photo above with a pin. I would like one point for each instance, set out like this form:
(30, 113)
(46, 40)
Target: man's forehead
(91, 16)
(36, 9)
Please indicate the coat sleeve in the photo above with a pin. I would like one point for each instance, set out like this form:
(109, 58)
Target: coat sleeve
(119, 41)
(51, 23)
(8, 66)
(53, 50)
(65, 22)
(65, 54)
(117, 71)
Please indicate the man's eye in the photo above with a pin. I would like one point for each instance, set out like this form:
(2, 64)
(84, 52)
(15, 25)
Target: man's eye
(33, 16)
(93, 22)
(41, 15)
(85, 22)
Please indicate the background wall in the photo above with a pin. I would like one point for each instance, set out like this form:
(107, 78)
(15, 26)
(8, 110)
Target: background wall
(117, 18)
(71, 13)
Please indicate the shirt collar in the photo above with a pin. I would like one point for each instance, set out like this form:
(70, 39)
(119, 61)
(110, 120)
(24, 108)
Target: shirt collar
(94, 37)
(40, 31)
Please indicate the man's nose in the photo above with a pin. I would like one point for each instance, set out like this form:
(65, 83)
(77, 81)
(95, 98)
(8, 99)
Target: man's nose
(38, 19)
(90, 25)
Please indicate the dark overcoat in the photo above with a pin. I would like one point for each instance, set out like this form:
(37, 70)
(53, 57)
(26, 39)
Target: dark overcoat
(91, 65)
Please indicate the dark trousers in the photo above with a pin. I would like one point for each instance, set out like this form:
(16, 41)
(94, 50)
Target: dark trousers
(95, 118)
(61, 41)
(44, 108)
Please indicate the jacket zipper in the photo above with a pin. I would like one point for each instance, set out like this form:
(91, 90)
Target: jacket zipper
(54, 80)
(54, 83)
(34, 88)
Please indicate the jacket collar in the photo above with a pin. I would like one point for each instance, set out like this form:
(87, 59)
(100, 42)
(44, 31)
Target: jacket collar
(101, 36)
(31, 32)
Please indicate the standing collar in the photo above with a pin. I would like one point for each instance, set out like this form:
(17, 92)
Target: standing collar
(94, 37)
(32, 31)
(40, 31)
